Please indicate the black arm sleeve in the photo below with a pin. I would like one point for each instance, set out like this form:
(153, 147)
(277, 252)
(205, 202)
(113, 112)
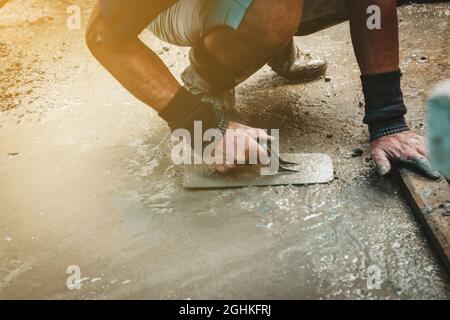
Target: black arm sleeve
(385, 108)
(185, 109)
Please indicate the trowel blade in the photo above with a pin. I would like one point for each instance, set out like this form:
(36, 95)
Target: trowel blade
(313, 168)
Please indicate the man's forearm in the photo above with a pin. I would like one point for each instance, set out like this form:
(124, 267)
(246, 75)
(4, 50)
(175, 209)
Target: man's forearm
(377, 50)
(142, 73)
(133, 64)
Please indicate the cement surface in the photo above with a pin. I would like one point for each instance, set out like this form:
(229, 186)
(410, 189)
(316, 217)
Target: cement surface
(86, 178)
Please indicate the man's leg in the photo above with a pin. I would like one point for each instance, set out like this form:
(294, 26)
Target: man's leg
(267, 27)
(237, 40)
(377, 53)
(226, 57)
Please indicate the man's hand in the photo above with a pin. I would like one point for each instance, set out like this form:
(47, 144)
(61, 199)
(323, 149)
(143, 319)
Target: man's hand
(246, 137)
(407, 147)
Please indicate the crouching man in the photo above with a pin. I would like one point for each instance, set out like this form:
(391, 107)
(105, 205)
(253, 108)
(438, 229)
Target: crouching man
(231, 40)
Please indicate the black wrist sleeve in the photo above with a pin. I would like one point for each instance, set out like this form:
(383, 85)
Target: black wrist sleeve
(185, 109)
(384, 105)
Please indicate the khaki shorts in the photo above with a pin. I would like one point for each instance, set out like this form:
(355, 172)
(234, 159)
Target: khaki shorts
(187, 21)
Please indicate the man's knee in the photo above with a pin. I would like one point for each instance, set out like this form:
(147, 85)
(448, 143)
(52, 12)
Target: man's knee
(272, 23)
(95, 31)
(100, 36)
(91, 36)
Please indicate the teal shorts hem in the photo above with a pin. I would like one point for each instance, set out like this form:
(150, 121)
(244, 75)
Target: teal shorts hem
(228, 13)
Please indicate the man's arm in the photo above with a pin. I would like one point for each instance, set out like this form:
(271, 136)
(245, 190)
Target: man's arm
(130, 61)
(377, 53)
(112, 37)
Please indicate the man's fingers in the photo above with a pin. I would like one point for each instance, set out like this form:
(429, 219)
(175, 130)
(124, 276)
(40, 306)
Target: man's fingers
(419, 143)
(260, 134)
(422, 164)
(382, 162)
(261, 153)
(407, 148)
(224, 168)
(422, 150)
(243, 148)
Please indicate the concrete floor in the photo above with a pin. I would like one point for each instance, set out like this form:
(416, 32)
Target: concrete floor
(87, 179)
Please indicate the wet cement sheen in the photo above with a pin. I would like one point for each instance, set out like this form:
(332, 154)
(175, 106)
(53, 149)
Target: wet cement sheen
(87, 180)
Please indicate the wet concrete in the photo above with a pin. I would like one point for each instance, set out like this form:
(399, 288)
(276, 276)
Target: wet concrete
(87, 180)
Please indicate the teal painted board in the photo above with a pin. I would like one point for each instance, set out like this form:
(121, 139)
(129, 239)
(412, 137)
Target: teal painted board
(438, 129)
